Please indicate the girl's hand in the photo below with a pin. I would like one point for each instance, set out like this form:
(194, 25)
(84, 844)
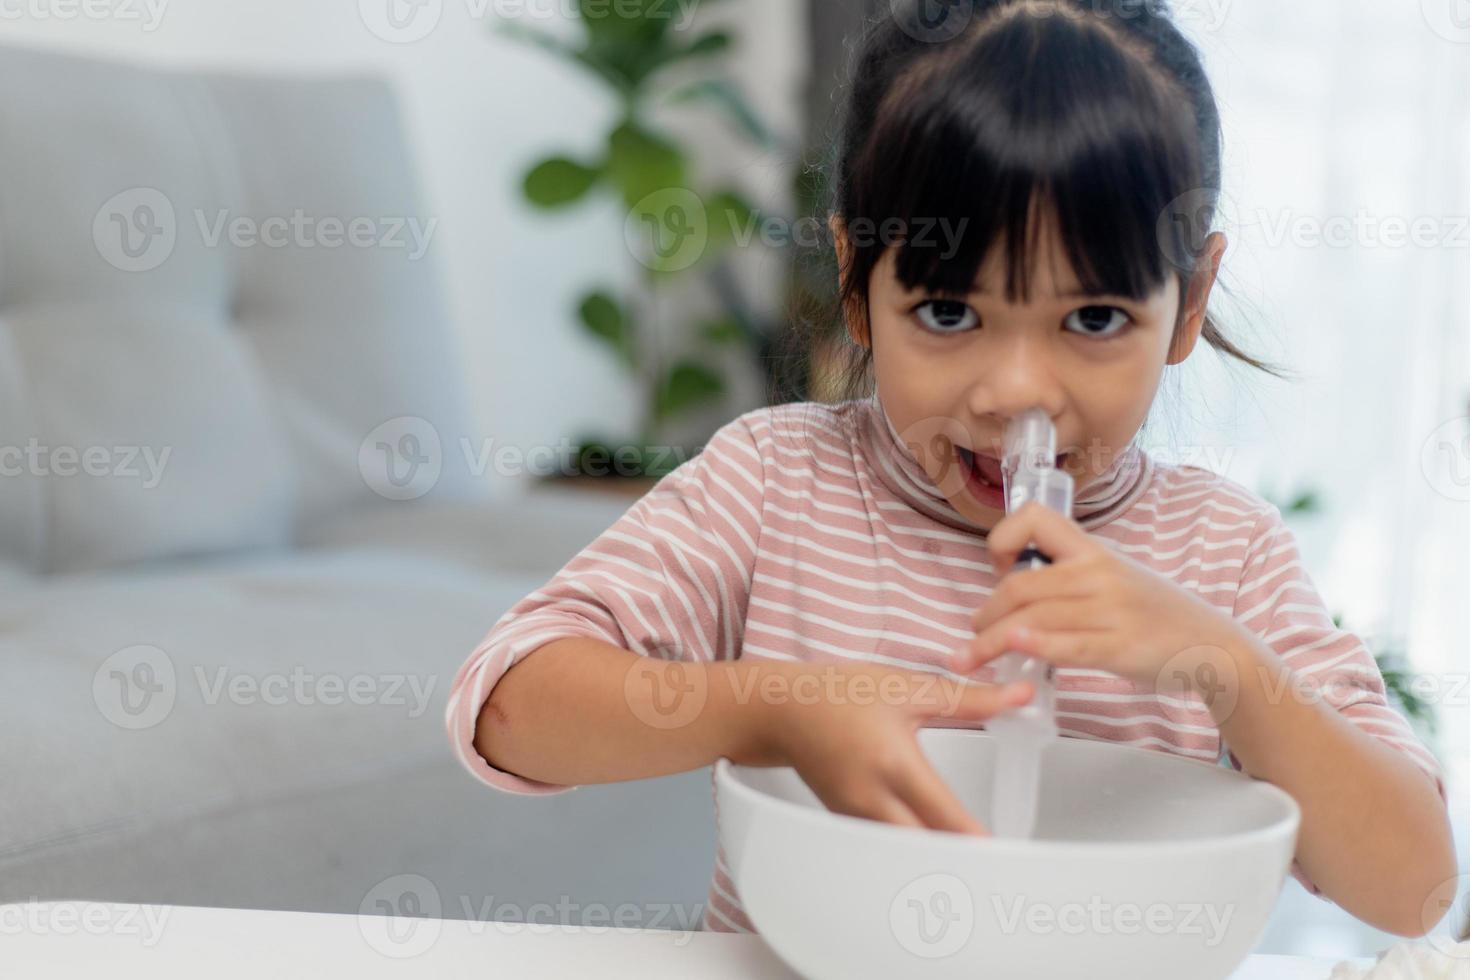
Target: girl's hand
(853, 738)
(1091, 608)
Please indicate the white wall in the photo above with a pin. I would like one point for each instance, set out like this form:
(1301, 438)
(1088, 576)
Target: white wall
(480, 110)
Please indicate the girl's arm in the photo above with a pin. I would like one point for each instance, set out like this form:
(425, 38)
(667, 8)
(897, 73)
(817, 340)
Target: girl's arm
(1312, 716)
(585, 711)
(1301, 701)
(1374, 837)
(668, 582)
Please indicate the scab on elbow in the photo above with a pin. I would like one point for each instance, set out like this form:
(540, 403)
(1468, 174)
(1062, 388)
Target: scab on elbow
(491, 727)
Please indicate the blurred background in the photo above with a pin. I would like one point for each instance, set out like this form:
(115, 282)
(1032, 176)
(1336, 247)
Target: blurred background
(379, 445)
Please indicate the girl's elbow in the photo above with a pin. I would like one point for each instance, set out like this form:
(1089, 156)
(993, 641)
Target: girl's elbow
(1426, 905)
(492, 730)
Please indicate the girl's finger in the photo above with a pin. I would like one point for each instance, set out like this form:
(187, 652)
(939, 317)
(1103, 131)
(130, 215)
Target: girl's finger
(1022, 589)
(892, 809)
(1056, 535)
(972, 701)
(1060, 648)
(1063, 648)
(1003, 636)
(931, 799)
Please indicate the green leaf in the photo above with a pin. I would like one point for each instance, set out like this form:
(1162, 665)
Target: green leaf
(628, 20)
(558, 182)
(1400, 684)
(731, 220)
(723, 331)
(687, 385)
(584, 56)
(728, 98)
(641, 162)
(1307, 502)
(606, 320)
(704, 46)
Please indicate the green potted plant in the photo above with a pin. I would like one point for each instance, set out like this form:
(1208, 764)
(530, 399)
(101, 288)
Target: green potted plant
(677, 225)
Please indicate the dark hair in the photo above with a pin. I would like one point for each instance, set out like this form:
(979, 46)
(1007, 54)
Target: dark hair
(1000, 112)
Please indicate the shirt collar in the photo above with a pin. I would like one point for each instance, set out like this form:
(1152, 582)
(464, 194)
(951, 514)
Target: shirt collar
(895, 466)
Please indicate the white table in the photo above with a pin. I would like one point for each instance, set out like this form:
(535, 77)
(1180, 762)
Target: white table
(161, 942)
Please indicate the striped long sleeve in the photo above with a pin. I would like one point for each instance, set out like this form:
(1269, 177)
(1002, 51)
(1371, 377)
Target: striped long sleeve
(670, 579)
(1279, 602)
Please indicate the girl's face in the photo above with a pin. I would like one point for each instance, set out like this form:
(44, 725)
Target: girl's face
(951, 370)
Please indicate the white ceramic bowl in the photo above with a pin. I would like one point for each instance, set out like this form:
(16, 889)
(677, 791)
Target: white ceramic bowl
(1143, 865)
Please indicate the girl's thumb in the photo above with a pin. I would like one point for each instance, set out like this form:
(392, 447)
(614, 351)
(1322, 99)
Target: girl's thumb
(977, 701)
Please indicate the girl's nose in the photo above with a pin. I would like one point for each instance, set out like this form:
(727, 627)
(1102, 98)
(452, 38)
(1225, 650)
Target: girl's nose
(1014, 378)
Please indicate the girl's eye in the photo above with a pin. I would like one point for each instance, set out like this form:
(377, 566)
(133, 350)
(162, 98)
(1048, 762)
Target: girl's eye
(946, 315)
(1098, 321)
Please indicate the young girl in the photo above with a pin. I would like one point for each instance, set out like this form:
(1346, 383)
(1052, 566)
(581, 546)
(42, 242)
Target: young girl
(1007, 186)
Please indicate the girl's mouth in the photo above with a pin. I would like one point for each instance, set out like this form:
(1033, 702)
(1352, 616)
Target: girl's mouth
(986, 468)
(984, 481)
(983, 477)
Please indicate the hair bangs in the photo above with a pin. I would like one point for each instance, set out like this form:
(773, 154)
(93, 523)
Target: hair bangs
(1034, 120)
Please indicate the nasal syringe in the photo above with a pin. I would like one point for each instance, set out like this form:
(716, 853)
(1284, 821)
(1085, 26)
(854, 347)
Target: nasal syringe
(1030, 473)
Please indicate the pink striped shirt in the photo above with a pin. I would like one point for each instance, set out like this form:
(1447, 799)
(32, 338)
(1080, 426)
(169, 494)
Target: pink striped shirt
(810, 532)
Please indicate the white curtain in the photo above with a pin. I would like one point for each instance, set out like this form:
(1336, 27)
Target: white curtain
(1347, 202)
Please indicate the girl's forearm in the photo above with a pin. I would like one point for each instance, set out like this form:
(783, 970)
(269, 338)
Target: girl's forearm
(1374, 836)
(583, 711)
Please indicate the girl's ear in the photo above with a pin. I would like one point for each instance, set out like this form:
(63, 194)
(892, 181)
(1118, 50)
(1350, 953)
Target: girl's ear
(1195, 304)
(855, 320)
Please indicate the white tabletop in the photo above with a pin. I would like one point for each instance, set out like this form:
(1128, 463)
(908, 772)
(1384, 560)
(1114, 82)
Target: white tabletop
(161, 942)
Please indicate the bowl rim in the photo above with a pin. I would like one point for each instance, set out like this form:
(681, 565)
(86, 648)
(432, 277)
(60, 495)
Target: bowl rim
(954, 840)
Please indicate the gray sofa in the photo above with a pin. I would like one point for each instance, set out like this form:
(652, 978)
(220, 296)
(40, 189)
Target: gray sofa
(241, 552)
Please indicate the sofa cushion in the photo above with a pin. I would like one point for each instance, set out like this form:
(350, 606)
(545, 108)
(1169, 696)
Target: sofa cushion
(235, 268)
(195, 687)
(152, 438)
(533, 533)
